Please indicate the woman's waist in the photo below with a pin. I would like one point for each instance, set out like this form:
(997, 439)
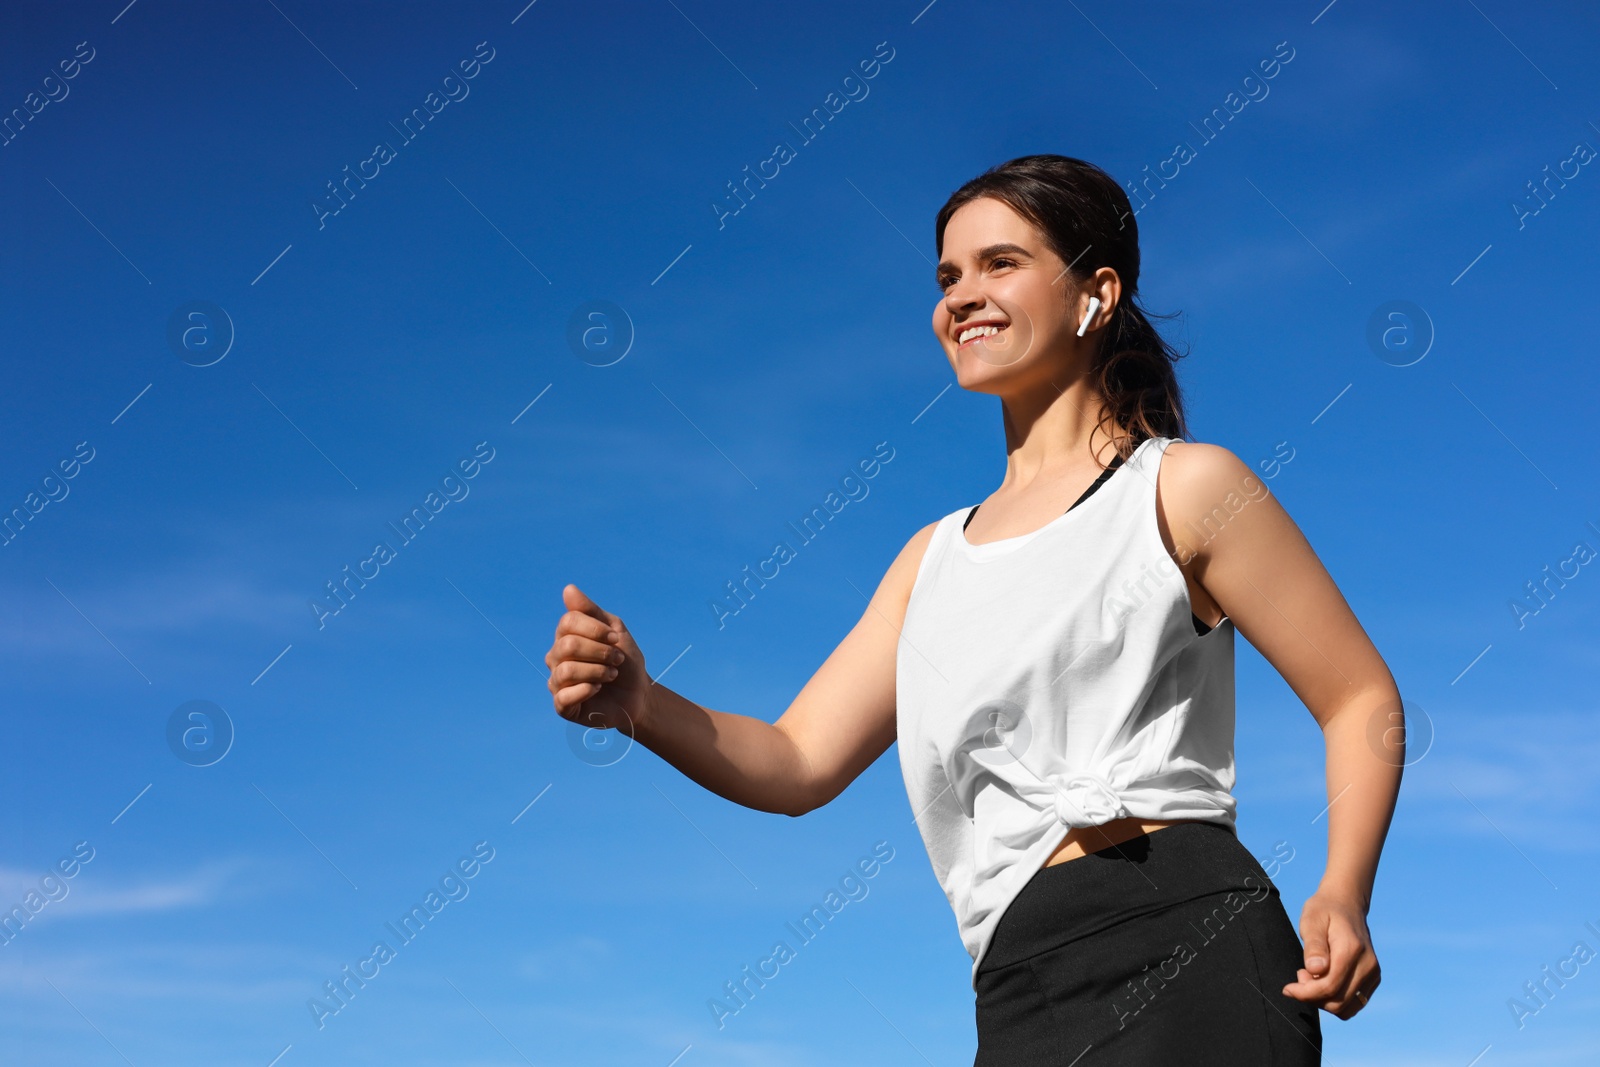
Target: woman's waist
(1147, 873)
(1080, 841)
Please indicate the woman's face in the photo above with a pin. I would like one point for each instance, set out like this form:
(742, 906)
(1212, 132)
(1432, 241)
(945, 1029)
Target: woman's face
(1007, 311)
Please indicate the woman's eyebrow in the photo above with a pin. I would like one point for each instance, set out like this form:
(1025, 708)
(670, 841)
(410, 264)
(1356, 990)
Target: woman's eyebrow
(986, 253)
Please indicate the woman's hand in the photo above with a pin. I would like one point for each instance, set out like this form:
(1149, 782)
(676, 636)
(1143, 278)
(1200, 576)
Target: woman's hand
(1341, 970)
(597, 673)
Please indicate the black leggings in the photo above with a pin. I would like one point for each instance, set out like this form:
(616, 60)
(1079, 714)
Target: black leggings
(1169, 948)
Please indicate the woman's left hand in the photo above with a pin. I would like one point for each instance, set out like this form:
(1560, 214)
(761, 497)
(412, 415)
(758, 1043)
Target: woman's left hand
(1341, 970)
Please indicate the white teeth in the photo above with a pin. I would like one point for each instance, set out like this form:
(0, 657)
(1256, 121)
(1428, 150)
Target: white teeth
(978, 331)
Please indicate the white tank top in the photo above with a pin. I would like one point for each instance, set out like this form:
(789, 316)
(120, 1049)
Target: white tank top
(1055, 680)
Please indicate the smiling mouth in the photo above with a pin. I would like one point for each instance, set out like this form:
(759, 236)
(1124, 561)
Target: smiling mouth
(983, 333)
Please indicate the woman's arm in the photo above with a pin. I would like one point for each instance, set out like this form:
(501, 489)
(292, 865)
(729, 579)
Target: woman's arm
(841, 721)
(1233, 536)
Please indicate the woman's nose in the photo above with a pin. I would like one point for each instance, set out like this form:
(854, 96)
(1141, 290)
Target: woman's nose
(959, 299)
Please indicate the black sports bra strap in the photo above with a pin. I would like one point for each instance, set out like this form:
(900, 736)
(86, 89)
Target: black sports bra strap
(1098, 482)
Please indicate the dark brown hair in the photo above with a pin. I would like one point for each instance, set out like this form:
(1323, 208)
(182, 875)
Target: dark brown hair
(1085, 217)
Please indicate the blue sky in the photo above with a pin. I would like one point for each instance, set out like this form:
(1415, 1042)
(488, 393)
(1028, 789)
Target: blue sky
(361, 356)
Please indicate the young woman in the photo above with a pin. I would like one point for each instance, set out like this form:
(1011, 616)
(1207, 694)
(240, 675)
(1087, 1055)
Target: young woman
(1057, 666)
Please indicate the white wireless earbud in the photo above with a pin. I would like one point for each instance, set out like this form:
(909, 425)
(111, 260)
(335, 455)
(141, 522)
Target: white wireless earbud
(1094, 306)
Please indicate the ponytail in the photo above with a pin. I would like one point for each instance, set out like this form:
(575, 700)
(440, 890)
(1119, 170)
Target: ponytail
(1134, 373)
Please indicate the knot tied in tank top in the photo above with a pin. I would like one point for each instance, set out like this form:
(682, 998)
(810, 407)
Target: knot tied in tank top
(1085, 800)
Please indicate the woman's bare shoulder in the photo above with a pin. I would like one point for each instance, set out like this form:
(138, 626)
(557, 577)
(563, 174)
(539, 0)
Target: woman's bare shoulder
(1198, 485)
(901, 575)
(1203, 465)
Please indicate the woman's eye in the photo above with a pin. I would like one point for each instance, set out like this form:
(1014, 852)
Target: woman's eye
(947, 282)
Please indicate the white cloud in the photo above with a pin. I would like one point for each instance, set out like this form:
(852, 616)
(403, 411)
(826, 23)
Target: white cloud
(568, 958)
(90, 895)
(1522, 773)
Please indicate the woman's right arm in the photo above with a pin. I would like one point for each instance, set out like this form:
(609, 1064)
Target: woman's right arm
(841, 721)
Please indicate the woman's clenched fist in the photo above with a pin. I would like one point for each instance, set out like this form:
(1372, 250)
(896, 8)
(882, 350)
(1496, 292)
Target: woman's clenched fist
(597, 673)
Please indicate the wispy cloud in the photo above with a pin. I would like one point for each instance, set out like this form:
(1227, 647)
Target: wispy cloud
(1532, 771)
(566, 958)
(139, 609)
(88, 894)
(160, 972)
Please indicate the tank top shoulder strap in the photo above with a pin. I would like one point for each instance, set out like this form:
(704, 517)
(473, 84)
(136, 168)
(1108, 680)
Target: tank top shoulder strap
(1149, 463)
(938, 546)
